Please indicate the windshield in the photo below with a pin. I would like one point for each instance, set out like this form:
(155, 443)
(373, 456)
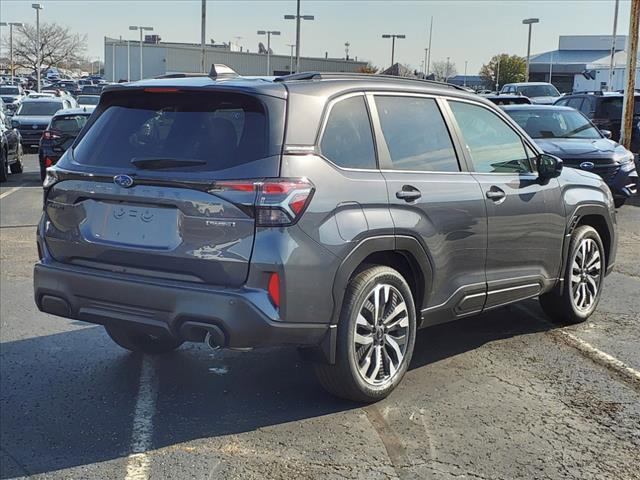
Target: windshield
(88, 99)
(538, 91)
(9, 91)
(39, 108)
(555, 123)
(209, 132)
(69, 124)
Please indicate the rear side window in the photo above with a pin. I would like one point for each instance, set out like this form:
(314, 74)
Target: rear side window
(575, 102)
(69, 124)
(416, 135)
(191, 131)
(347, 140)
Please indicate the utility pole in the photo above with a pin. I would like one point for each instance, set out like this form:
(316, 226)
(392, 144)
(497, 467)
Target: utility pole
(11, 25)
(498, 75)
(630, 84)
(203, 35)
(551, 68)
(429, 48)
(613, 45)
(113, 61)
(128, 61)
(465, 72)
(426, 50)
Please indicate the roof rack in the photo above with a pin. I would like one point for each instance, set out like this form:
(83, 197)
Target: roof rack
(590, 92)
(218, 70)
(368, 76)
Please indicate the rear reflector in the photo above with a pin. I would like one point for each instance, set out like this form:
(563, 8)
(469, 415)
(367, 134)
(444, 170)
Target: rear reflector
(274, 289)
(278, 202)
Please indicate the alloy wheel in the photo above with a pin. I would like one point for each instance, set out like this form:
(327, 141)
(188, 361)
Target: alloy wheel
(586, 272)
(381, 334)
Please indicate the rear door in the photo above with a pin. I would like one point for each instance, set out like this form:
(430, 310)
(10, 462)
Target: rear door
(140, 192)
(434, 199)
(525, 216)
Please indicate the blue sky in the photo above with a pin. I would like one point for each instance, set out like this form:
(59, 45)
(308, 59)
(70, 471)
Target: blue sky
(470, 30)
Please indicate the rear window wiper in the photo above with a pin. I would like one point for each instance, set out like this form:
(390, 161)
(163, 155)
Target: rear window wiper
(163, 162)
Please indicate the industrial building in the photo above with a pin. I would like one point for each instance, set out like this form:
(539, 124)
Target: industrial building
(122, 60)
(581, 63)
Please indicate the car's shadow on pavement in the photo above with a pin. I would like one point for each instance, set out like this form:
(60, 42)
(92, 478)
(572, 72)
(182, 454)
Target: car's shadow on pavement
(25, 179)
(68, 399)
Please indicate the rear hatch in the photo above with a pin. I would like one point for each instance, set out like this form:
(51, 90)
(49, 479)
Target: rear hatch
(138, 191)
(63, 130)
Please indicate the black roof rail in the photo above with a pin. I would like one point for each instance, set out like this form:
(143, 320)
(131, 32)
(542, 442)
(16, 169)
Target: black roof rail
(589, 92)
(368, 76)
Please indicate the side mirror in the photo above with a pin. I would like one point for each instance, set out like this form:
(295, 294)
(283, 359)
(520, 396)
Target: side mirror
(606, 133)
(549, 166)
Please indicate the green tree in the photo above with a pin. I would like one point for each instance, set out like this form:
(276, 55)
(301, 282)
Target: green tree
(512, 69)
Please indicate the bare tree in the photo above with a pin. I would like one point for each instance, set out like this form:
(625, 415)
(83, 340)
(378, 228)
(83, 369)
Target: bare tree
(368, 68)
(59, 46)
(443, 70)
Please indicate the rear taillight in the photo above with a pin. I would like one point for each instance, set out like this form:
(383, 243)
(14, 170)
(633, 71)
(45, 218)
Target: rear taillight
(48, 162)
(50, 135)
(277, 202)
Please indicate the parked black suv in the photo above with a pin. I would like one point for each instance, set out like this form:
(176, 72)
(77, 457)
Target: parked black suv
(334, 212)
(604, 109)
(568, 134)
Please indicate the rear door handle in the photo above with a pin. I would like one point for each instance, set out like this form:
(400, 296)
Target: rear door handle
(408, 193)
(496, 194)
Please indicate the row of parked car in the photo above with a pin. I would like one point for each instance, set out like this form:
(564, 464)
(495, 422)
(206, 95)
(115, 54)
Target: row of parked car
(581, 128)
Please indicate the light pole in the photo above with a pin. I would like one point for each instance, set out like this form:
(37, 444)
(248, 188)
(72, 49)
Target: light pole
(429, 49)
(426, 51)
(128, 61)
(613, 46)
(11, 25)
(529, 21)
(141, 29)
(292, 46)
(498, 76)
(446, 74)
(466, 62)
(297, 17)
(393, 37)
(268, 33)
(38, 7)
(203, 28)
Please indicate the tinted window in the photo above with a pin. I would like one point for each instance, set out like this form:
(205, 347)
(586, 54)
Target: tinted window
(39, 108)
(88, 99)
(9, 91)
(494, 147)
(212, 131)
(554, 123)
(588, 106)
(575, 102)
(611, 108)
(347, 140)
(416, 135)
(69, 124)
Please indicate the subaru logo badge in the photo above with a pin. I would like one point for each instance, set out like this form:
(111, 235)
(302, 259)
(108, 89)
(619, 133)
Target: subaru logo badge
(125, 181)
(587, 165)
(35, 127)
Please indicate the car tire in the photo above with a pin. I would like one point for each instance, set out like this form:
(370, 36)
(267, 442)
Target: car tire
(4, 174)
(17, 166)
(619, 202)
(140, 342)
(583, 280)
(374, 344)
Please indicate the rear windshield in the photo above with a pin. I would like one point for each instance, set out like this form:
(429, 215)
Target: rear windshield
(611, 108)
(92, 89)
(69, 124)
(39, 108)
(203, 131)
(9, 91)
(88, 99)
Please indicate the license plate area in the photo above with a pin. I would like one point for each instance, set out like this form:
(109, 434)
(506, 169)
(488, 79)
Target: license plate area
(131, 225)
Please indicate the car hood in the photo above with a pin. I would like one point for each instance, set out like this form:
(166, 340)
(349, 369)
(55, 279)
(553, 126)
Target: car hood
(543, 100)
(33, 119)
(580, 147)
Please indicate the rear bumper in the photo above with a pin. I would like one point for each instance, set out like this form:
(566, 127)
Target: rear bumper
(172, 309)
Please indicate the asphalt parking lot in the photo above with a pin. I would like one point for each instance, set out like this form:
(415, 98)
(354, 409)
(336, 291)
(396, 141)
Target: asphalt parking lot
(504, 395)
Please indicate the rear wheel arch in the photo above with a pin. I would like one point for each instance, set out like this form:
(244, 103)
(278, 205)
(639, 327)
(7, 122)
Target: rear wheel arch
(402, 253)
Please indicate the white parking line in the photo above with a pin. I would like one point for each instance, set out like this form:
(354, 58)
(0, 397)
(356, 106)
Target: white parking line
(9, 192)
(589, 351)
(138, 462)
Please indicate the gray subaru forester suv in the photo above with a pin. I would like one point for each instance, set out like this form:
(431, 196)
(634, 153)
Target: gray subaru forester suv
(334, 212)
